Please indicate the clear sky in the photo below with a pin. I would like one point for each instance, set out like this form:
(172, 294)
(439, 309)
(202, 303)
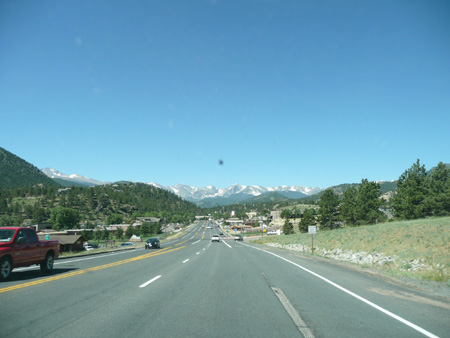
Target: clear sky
(301, 92)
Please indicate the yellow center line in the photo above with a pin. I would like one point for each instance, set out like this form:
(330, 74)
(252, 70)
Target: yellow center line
(181, 243)
(79, 272)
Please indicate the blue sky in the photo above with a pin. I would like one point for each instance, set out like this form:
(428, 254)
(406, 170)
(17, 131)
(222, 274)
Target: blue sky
(311, 93)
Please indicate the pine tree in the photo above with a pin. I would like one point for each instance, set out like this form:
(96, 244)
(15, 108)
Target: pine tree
(308, 219)
(348, 207)
(368, 203)
(439, 190)
(129, 232)
(119, 233)
(288, 228)
(410, 200)
(328, 204)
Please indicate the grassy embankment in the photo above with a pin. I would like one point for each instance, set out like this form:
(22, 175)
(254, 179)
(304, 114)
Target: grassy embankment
(420, 248)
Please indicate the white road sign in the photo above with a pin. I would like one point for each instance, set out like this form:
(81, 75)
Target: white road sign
(312, 229)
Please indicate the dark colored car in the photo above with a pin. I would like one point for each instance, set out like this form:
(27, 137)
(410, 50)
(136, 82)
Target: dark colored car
(152, 243)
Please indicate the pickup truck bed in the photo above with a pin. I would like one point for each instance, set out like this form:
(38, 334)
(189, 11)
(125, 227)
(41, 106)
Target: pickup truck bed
(20, 246)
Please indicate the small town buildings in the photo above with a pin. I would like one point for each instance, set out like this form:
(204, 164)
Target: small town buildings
(241, 227)
(67, 243)
(138, 221)
(233, 221)
(113, 227)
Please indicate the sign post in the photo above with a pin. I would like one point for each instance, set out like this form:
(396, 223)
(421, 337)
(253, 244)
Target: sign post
(312, 229)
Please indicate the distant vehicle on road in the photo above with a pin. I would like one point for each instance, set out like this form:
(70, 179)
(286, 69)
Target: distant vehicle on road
(152, 243)
(215, 238)
(21, 247)
(238, 238)
(272, 232)
(127, 244)
(88, 246)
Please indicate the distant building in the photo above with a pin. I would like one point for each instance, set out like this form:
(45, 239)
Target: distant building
(42, 226)
(66, 242)
(233, 221)
(251, 214)
(275, 214)
(114, 227)
(138, 221)
(241, 227)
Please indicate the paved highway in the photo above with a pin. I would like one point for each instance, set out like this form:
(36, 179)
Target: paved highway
(194, 288)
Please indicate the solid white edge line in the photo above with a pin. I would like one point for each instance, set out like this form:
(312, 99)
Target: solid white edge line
(228, 245)
(150, 281)
(400, 319)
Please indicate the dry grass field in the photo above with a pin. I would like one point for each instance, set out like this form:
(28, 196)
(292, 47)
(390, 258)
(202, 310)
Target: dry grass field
(419, 248)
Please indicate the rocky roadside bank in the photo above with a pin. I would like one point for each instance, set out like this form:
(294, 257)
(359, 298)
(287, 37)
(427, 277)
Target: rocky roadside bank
(360, 258)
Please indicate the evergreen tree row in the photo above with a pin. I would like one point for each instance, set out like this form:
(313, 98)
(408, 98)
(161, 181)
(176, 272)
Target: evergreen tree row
(420, 193)
(359, 205)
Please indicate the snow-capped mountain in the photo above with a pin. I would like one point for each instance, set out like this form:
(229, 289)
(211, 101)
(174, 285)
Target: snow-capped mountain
(74, 178)
(234, 193)
(195, 194)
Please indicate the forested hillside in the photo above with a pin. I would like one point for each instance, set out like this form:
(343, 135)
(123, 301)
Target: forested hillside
(28, 196)
(105, 204)
(15, 172)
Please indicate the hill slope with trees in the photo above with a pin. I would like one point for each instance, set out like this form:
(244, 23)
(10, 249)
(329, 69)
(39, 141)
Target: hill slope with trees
(16, 172)
(29, 196)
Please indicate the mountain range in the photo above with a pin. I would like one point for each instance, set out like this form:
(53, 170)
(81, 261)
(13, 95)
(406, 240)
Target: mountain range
(205, 197)
(16, 172)
(211, 196)
(74, 179)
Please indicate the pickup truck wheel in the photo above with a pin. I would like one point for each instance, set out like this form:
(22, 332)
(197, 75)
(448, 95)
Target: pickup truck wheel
(47, 264)
(5, 268)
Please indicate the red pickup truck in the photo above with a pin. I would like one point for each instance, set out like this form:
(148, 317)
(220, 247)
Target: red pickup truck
(21, 247)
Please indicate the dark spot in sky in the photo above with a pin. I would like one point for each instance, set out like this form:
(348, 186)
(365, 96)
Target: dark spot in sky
(220, 162)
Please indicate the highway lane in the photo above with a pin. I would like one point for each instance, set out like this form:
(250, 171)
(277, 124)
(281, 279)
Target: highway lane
(195, 288)
(338, 301)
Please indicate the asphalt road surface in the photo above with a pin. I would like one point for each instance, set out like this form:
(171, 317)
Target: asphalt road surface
(192, 287)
